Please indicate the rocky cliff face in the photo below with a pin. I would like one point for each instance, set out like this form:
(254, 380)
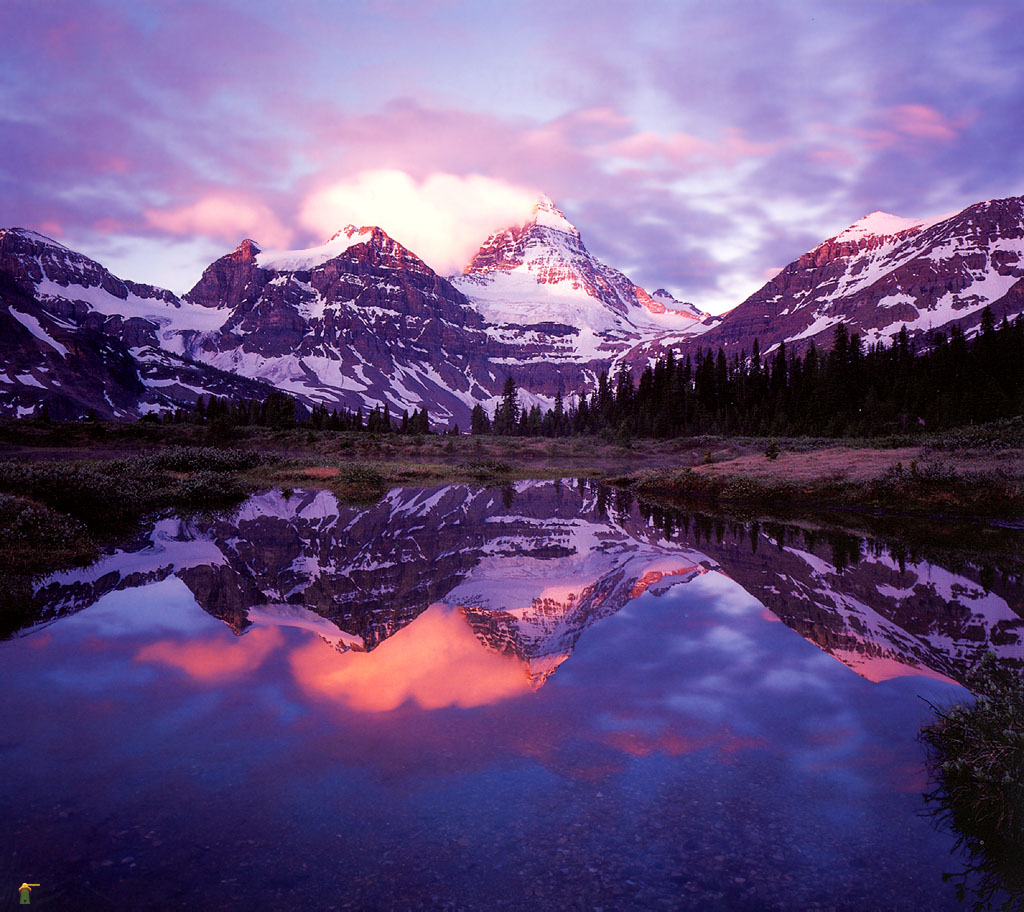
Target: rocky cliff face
(76, 338)
(358, 321)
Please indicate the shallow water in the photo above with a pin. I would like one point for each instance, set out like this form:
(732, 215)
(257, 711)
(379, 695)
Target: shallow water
(533, 698)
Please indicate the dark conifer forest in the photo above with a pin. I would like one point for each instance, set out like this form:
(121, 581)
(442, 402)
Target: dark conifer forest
(845, 391)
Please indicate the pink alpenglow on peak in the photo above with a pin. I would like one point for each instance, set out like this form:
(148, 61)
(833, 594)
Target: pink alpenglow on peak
(547, 215)
(880, 224)
(662, 301)
(541, 272)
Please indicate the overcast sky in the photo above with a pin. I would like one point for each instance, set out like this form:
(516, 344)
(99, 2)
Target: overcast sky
(698, 146)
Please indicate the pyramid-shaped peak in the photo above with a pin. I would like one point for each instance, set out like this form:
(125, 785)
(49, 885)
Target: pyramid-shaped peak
(547, 215)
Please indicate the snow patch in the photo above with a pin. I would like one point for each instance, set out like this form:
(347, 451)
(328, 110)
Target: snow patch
(310, 258)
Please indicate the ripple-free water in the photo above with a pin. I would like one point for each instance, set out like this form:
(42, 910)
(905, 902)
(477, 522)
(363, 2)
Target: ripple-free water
(535, 698)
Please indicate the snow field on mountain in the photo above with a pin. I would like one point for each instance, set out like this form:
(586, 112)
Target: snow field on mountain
(311, 257)
(173, 319)
(33, 326)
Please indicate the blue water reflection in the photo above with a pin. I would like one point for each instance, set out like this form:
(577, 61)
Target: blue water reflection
(555, 705)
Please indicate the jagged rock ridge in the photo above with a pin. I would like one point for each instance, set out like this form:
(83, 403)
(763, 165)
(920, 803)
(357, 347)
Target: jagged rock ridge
(76, 338)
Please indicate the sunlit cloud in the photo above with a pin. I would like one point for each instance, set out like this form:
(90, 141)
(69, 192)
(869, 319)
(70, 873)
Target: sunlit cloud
(922, 122)
(443, 219)
(216, 658)
(227, 218)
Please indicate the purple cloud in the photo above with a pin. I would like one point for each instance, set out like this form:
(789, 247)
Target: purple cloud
(695, 145)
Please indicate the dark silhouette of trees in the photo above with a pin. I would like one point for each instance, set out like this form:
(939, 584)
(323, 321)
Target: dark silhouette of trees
(849, 390)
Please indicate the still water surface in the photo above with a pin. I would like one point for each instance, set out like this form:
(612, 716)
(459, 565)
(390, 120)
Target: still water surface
(543, 697)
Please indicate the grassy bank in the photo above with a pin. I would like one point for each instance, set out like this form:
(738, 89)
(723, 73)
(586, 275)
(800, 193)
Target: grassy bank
(916, 479)
(56, 512)
(978, 470)
(976, 762)
(65, 489)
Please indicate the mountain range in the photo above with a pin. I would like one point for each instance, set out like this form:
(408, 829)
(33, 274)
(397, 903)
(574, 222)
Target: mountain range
(362, 320)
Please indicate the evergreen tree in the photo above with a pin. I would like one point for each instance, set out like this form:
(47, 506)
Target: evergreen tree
(506, 417)
(479, 422)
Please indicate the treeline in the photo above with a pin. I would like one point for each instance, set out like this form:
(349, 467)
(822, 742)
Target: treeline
(848, 390)
(280, 411)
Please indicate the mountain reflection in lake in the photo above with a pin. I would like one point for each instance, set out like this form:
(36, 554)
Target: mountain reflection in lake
(539, 698)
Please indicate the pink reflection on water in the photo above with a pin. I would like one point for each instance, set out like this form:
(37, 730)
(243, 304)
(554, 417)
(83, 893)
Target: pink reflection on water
(214, 658)
(434, 662)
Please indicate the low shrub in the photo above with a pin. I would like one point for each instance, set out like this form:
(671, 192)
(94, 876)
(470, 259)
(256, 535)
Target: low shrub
(976, 760)
(206, 490)
(487, 468)
(33, 536)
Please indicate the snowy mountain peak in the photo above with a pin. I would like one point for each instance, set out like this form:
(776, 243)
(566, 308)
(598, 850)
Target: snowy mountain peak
(311, 257)
(878, 224)
(33, 236)
(547, 215)
(541, 274)
(350, 232)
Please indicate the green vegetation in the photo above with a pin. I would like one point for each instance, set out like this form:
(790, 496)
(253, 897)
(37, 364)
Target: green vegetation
(55, 512)
(976, 760)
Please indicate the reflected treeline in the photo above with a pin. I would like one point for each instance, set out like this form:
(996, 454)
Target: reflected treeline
(931, 598)
(531, 565)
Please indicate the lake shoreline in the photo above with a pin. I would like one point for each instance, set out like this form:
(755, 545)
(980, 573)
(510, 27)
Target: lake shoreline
(973, 471)
(974, 476)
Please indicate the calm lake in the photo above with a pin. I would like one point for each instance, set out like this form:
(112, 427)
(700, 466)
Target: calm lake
(541, 697)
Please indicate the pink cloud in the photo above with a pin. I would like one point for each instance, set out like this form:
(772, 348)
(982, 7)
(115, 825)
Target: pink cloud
(906, 125)
(117, 164)
(677, 147)
(227, 218)
(922, 122)
(737, 147)
(560, 155)
(831, 155)
(106, 225)
(214, 658)
(442, 219)
(685, 150)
